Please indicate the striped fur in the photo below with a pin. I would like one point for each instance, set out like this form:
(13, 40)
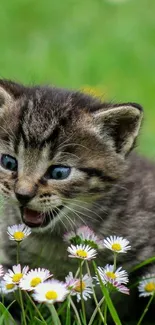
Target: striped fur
(109, 189)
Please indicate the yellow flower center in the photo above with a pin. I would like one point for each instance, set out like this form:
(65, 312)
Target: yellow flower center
(51, 295)
(18, 235)
(35, 281)
(80, 286)
(81, 253)
(116, 247)
(150, 287)
(9, 286)
(16, 277)
(111, 275)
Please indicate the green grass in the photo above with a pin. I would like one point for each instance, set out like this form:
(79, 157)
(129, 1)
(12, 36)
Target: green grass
(73, 43)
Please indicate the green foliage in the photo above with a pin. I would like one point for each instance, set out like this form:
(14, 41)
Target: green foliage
(84, 43)
(5, 316)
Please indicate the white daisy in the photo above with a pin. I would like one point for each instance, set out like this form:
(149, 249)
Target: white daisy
(15, 275)
(147, 286)
(1, 270)
(117, 244)
(33, 278)
(107, 274)
(50, 291)
(84, 235)
(76, 286)
(7, 287)
(83, 252)
(18, 232)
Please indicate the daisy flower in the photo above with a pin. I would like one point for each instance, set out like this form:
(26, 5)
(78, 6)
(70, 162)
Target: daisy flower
(121, 288)
(33, 278)
(83, 252)
(107, 274)
(50, 291)
(18, 232)
(115, 280)
(7, 287)
(15, 275)
(1, 270)
(71, 237)
(84, 235)
(70, 281)
(117, 244)
(147, 286)
(76, 286)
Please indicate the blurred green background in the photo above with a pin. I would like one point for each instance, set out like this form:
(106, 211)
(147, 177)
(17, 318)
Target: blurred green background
(78, 43)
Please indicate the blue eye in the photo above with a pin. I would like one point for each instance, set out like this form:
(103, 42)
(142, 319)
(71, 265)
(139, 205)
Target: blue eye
(58, 172)
(9, 162)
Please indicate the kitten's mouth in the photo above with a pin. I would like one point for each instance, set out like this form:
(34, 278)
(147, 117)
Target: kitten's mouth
(34, 218)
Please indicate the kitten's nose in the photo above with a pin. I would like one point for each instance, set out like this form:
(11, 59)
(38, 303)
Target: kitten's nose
(24, 198)
(24, 194)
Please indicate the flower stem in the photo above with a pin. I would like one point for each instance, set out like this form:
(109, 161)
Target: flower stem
(94, 295)
(78, 270)
(2, 295)
(145, 310)
(35, 307)
(105, 313)
(18, 255)
(115, 258)
(76, 312)
(68, 316)
(95, 311)
(22, 307)
(82, 300)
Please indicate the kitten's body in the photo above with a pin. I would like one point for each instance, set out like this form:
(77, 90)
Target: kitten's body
(127, 210)
(108, 189)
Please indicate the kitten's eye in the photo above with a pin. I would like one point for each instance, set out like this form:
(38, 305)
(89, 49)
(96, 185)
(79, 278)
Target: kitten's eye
(9, 162)
(58, 172)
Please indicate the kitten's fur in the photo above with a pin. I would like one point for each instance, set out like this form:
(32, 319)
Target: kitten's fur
(109, 189)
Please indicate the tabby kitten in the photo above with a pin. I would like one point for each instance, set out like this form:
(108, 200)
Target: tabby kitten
(65, 161)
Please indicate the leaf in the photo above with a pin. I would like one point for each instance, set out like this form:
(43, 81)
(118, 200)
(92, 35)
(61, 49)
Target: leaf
(39, 321)
(138, 266)
(5, 313)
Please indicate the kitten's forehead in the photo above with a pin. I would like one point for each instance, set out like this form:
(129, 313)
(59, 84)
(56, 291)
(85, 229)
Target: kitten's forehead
(44, 113)
(32, 161)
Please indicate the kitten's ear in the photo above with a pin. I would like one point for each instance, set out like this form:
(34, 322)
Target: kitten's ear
(14, 89)
(9, 92)
(120, 124)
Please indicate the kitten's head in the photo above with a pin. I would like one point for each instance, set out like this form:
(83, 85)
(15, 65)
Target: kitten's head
(58, 146)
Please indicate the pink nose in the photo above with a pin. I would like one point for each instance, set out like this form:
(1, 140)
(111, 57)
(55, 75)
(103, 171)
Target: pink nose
(24, 193)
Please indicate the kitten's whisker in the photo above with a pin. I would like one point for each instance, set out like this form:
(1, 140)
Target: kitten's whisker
(74, 144)
(53, 219)
(91, 211)
(65, 153)
(60, 219)
(67, 140)
(71, 222)
(8, 131)
(76, 213)
(86, 203)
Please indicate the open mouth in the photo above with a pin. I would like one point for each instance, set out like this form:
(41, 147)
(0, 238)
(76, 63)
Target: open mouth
(34, 218)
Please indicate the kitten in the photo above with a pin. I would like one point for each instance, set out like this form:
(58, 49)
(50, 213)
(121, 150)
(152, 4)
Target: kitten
(65, 161)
